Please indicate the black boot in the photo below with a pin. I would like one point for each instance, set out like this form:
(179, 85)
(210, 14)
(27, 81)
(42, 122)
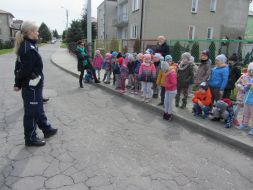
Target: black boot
(165, 116)
(35, 142)
(50, 133)
(81, 84)
(183, 106)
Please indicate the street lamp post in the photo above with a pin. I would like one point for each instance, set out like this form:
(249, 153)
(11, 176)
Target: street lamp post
(67, 16)
(89, 29)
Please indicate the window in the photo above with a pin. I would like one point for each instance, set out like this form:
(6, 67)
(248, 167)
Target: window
(135, 5)
(191, 32)
(194, 6)
(133, 31)
(209, 33)
(0, 31)
(213, 5)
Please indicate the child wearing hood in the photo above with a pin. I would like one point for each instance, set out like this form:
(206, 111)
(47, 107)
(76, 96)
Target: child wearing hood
(123, 74)
(184, 78)
(204, 69)
(157, 62)
(170, 89)
(130, 65)
(97, 63)
(107, 65)
(219, 77)
(234, 75)
(137, 65)
(147, 75)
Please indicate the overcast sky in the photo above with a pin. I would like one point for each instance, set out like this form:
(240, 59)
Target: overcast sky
(49, 11)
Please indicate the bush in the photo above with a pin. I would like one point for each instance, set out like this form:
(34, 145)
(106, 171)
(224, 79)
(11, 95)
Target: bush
(137, 46)
(114, 45)
(176, 52)
(212, 50)
(195, 51)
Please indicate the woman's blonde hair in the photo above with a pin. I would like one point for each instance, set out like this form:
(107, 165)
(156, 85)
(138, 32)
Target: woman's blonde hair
(25, 28)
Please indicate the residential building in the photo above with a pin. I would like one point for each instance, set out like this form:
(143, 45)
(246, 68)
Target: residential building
(6, 31)
(106, 14)
(249, 29)
(177, 19)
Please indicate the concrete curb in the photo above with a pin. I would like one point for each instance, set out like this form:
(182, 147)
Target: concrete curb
(186, 123)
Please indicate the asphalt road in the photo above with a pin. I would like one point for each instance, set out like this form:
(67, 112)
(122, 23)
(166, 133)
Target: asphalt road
(107, 143)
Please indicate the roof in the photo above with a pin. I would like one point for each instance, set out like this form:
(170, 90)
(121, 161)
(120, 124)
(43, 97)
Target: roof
(4, 12)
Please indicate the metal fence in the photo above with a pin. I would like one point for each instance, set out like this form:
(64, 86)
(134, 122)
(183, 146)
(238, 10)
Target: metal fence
(243, 48)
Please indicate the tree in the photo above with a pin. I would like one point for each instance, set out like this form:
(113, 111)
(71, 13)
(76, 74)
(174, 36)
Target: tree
(176, 52)
(44, 33)
(137, 46)
(114, 45)
(64, 35)
(55, 34)
(195, 51)
(212, 50)
(84, 25)
(75, 31)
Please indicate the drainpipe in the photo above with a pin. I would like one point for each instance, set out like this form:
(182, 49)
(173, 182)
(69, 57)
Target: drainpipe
(141, 28)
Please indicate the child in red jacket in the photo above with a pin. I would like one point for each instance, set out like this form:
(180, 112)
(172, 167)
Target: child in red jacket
(202, 101)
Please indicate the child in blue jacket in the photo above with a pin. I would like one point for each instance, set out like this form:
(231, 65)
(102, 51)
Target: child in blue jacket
(219, 77)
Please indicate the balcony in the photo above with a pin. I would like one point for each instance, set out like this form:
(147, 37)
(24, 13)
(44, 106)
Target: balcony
(120, 2)
(121, 20)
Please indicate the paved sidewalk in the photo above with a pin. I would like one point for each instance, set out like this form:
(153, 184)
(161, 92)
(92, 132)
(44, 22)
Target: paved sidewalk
(234, 137)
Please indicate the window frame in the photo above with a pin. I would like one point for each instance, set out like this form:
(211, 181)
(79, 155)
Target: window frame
(135, 5)
(134, 30)
(211, 33)
(213, 5)
(196, 6)
(193, 32)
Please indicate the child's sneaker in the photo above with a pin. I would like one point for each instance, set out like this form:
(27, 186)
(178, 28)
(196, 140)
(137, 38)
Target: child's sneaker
(122, 91)
(251, 131)
(236, 122)
(228, 126)
(136, 92)
(147, 100)
(242, 127)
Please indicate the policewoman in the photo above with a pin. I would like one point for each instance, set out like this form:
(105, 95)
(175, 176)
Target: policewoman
(29, 79)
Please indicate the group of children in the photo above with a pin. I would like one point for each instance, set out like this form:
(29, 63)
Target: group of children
(149, 72)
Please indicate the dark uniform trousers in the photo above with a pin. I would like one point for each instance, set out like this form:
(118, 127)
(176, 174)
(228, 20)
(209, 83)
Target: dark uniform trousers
(34, 112)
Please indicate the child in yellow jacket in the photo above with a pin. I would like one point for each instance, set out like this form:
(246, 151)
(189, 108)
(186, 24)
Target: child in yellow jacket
(161, 79)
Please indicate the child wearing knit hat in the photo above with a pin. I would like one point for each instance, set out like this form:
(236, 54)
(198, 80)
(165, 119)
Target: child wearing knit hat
(161, 80)
(204, 69)
(107, 66)
(234, 75)
(157, 62)
(248, 102)
(202, 101)
(123, 74)
(219, 77)
(184, 77)
(97, 63)
(137, 65)
(147, 75)
(170, 90)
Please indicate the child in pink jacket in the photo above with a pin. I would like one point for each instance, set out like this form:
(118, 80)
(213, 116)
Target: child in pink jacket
(170, 90)
(97, 63)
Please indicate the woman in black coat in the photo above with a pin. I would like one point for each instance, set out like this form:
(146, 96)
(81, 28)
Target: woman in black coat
(162, 46)
(83, 63)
